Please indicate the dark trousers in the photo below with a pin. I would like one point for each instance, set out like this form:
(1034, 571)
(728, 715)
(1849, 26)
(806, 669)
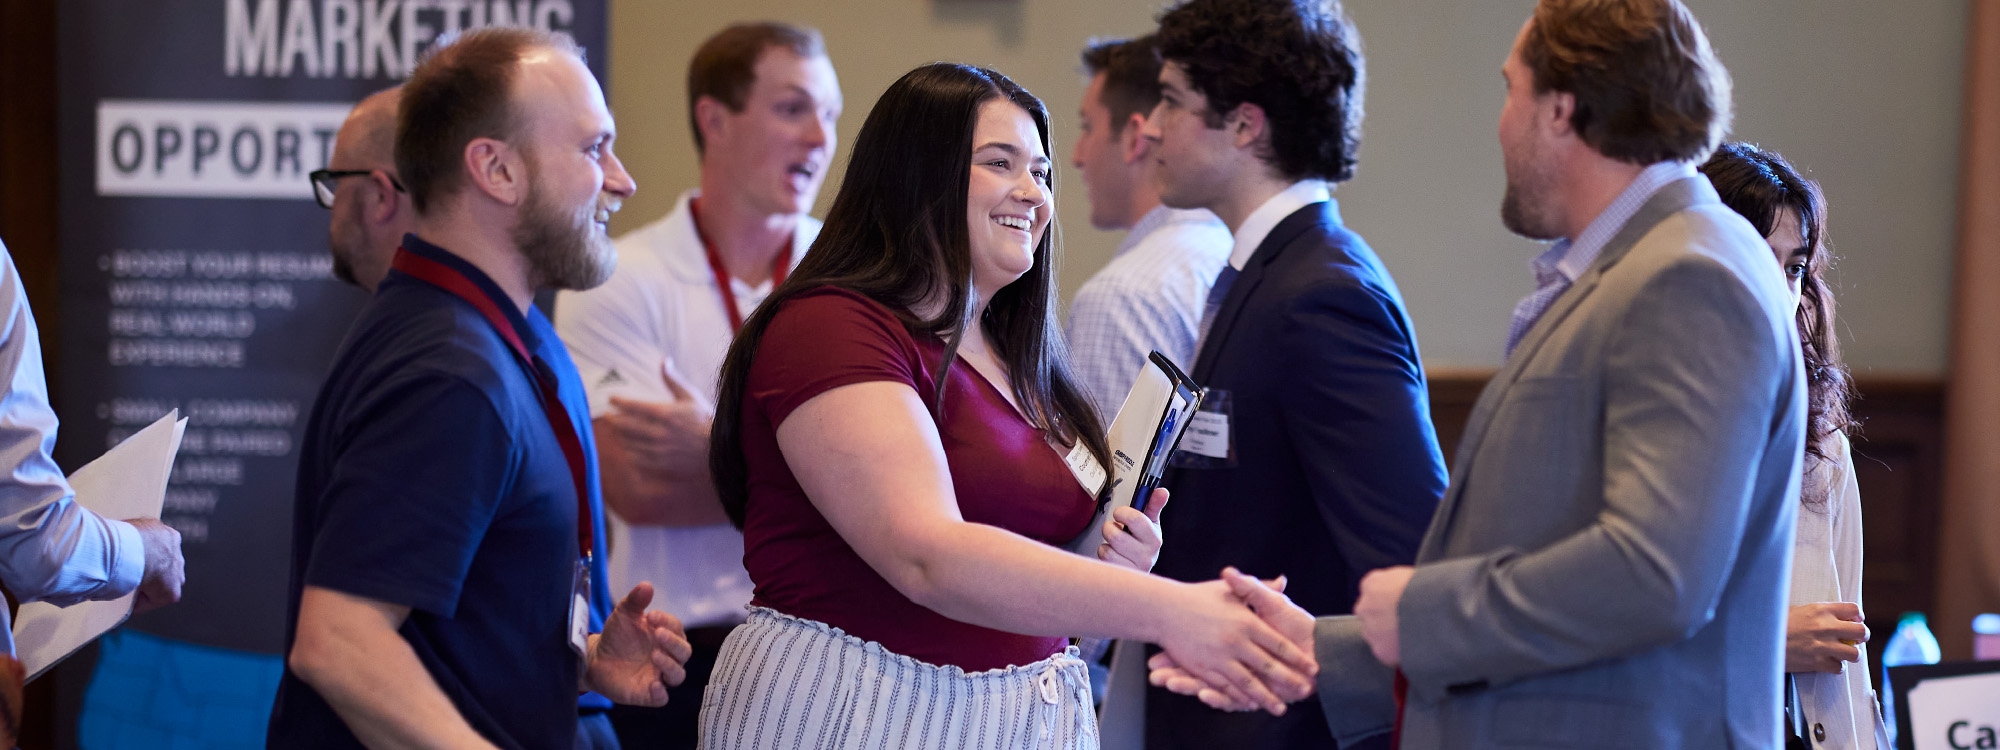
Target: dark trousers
(1180, 722)
(676, 725)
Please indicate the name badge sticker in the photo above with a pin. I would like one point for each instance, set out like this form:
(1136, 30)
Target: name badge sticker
(1207, 435)
(1205, 443)
(1085, 468)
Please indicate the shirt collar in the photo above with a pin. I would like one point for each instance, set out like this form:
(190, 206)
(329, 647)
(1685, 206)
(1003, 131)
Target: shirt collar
(519, 319)
(1153, 220)
(685, 254)
(682, 249)
(1568, 258)
(1261, 221)
(1158, 219)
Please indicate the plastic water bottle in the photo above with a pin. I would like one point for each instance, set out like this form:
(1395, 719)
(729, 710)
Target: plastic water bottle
(1911, 644)
(1986, 637)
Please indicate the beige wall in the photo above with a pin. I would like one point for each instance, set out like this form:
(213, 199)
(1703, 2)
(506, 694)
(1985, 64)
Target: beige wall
(1864, 94)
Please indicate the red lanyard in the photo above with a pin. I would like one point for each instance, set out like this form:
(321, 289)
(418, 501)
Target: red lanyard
(779, 266)
(449, 279)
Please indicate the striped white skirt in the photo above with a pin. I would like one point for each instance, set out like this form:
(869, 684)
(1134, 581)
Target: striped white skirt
(786, 682)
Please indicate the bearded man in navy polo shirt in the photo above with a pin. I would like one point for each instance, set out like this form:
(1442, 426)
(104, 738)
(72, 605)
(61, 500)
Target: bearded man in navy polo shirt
(442, 533)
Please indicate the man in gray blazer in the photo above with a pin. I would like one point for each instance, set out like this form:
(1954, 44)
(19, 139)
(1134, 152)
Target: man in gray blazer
(1608, 567)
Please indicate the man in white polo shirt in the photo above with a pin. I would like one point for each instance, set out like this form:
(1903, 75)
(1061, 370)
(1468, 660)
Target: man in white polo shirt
(762, 100)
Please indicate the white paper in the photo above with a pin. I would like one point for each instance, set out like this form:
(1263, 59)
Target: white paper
(1955, 712)
(128, 481)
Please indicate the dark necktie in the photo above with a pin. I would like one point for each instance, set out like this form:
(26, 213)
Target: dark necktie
(1216, 294)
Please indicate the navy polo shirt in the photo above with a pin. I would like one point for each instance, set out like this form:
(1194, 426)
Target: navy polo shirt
(430, 477)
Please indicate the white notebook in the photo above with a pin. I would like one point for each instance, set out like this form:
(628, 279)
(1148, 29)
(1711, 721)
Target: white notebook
(1148, 427)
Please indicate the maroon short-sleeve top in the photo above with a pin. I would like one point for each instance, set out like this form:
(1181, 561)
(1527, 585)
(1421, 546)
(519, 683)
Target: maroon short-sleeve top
(1003, 469)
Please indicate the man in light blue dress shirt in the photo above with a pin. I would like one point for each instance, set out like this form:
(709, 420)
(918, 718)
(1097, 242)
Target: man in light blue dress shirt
(52, 549)
(1149, 297)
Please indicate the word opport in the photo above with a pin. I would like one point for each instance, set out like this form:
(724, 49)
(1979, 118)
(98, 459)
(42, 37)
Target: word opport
(213, 149)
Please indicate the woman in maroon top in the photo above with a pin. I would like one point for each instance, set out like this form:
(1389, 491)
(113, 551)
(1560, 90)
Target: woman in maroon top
(890, 435)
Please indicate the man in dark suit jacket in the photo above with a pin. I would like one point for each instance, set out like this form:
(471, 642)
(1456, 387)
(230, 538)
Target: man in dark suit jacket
(1610, 566)
(1329, 466)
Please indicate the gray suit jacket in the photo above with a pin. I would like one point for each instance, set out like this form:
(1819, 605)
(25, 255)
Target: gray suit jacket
(1609, 565)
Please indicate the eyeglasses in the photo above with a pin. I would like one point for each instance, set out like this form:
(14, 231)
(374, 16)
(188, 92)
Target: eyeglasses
(324, 182)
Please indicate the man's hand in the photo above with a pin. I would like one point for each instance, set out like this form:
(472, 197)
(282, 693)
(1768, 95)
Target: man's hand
(165, 569)
(1267, 599)
(667, 437)
(1132, 539)
(639, 654)
(654, 457)
(1381, 591)
(1219, 641)
(1820, 637)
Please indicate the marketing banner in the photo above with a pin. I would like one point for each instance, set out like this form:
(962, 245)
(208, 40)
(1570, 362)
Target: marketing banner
(195, 273)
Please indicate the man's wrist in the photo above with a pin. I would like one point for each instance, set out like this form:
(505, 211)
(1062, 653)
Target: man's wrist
(128, 557)
(583, 683)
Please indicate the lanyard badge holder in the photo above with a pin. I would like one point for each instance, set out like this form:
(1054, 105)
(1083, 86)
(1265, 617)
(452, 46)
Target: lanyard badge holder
(450, 280)
(1207, 444)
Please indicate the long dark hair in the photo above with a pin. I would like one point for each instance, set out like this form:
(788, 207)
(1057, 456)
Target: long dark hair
(1759, 184)
(897, 234)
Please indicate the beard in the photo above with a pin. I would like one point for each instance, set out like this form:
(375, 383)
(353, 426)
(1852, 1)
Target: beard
(1524, 210)
(343, 269)
(562, 247)
(345, 248)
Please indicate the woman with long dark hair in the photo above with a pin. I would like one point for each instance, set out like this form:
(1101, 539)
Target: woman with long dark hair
(1834, 703)
(890, 433)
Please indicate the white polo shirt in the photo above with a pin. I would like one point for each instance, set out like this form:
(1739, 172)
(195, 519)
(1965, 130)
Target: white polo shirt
(662, 304)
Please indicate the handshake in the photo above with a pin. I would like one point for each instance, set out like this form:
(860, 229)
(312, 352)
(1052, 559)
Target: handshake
(1291, 677)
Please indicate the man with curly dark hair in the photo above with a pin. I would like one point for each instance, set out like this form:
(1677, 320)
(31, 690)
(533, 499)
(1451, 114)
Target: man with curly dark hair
(1318, 460)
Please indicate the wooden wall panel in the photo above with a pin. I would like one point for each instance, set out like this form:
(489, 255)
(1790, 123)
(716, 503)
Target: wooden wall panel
(1899, 459)
(28, 155)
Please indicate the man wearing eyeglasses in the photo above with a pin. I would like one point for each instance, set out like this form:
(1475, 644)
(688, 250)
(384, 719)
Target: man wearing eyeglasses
(371, 212)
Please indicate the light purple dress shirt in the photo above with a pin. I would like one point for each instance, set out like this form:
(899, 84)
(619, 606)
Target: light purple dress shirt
(1559, 266)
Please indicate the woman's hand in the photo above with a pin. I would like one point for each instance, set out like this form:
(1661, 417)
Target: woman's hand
(1132, 539)
(1221, 642)
(1820, 636)
(1268, 600)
